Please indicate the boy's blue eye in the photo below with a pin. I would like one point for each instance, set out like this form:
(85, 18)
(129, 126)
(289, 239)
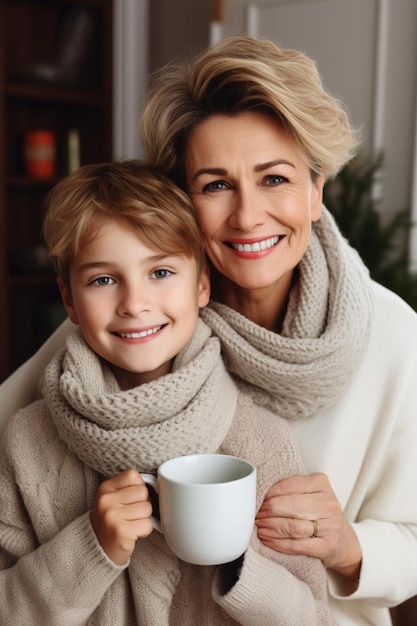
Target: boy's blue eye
(161, 273)
(103, 281)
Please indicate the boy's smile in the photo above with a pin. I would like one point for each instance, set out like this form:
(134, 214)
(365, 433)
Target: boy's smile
(137, 307)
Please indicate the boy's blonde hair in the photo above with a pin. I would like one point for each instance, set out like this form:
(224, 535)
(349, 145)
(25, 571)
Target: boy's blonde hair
(242, 74)
(131, 192)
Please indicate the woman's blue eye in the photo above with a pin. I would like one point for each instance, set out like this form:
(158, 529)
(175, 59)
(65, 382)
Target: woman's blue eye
(162, 273)
(274, 179)
(216, 185)
(103, 281)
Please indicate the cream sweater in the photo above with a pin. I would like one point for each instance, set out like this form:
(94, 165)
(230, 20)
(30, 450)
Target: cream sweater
(54, 572)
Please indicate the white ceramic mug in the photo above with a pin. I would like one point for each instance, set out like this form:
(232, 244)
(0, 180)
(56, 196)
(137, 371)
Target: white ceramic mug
(207, 506)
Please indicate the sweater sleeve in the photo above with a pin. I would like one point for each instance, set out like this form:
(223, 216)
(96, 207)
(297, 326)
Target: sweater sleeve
(61, 582)
(282, 589)
(50, 573)
(386, 522)
(386, 526)
(381, 504)
(266, 593)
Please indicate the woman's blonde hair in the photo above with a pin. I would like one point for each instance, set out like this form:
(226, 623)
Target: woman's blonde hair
(131, 192)
(242, 74)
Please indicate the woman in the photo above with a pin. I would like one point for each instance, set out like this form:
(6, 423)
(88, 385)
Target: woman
(248, 131)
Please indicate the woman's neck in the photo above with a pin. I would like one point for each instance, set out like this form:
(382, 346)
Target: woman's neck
(266, 307)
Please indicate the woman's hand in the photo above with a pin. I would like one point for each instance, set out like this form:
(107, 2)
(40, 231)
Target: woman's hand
(297, 508)
(121, 514)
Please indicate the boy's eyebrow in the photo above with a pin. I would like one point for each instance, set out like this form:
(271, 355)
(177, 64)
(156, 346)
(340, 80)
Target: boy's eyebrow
(156, 258)
(219, 171)
(90, 265)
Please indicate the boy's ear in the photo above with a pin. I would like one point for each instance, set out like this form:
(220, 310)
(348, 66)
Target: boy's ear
(67, 300)
(204, 286)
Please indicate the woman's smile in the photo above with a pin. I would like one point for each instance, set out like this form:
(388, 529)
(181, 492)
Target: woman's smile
(255, 248)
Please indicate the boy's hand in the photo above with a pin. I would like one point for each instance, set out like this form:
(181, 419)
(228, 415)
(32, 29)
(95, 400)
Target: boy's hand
(121, 514)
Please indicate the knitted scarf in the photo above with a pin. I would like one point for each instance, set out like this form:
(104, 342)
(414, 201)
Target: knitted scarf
(324, 335)
(187, 411)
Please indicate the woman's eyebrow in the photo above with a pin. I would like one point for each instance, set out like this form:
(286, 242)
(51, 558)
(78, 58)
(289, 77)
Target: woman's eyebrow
(220, 171)
(264, 166)
(215, 171)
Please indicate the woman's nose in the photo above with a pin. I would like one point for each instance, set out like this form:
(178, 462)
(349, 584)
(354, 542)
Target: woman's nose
(133, 302)
(246, 212)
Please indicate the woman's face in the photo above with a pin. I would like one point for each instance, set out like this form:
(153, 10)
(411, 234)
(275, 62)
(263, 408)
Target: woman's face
(254, 197)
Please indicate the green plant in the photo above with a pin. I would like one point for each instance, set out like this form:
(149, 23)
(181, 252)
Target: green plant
(382, 246)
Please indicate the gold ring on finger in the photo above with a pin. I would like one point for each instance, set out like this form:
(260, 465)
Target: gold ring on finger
(316, 529)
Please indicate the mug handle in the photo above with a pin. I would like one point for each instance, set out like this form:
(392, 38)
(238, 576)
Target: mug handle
(150, 479)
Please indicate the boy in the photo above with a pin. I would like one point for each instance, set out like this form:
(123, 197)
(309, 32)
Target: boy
(140, 381)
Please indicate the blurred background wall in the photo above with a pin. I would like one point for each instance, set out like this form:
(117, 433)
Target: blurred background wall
(148, 34)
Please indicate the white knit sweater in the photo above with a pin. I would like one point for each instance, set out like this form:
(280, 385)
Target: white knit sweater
(373, 429)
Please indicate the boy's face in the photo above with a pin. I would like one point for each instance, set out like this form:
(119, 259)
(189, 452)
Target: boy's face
(136, 307)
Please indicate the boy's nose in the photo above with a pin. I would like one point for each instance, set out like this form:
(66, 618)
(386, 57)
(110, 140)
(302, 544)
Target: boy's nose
(133, 303)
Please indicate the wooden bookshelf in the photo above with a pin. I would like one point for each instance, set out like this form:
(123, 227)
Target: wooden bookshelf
(43, 85)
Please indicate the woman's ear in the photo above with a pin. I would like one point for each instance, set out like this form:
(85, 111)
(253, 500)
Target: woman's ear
(67, 300)
(317, 197)
(204, 286)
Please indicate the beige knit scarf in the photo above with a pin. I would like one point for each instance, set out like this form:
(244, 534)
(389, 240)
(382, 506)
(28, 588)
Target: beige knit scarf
(324, 335)
(187, 411)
